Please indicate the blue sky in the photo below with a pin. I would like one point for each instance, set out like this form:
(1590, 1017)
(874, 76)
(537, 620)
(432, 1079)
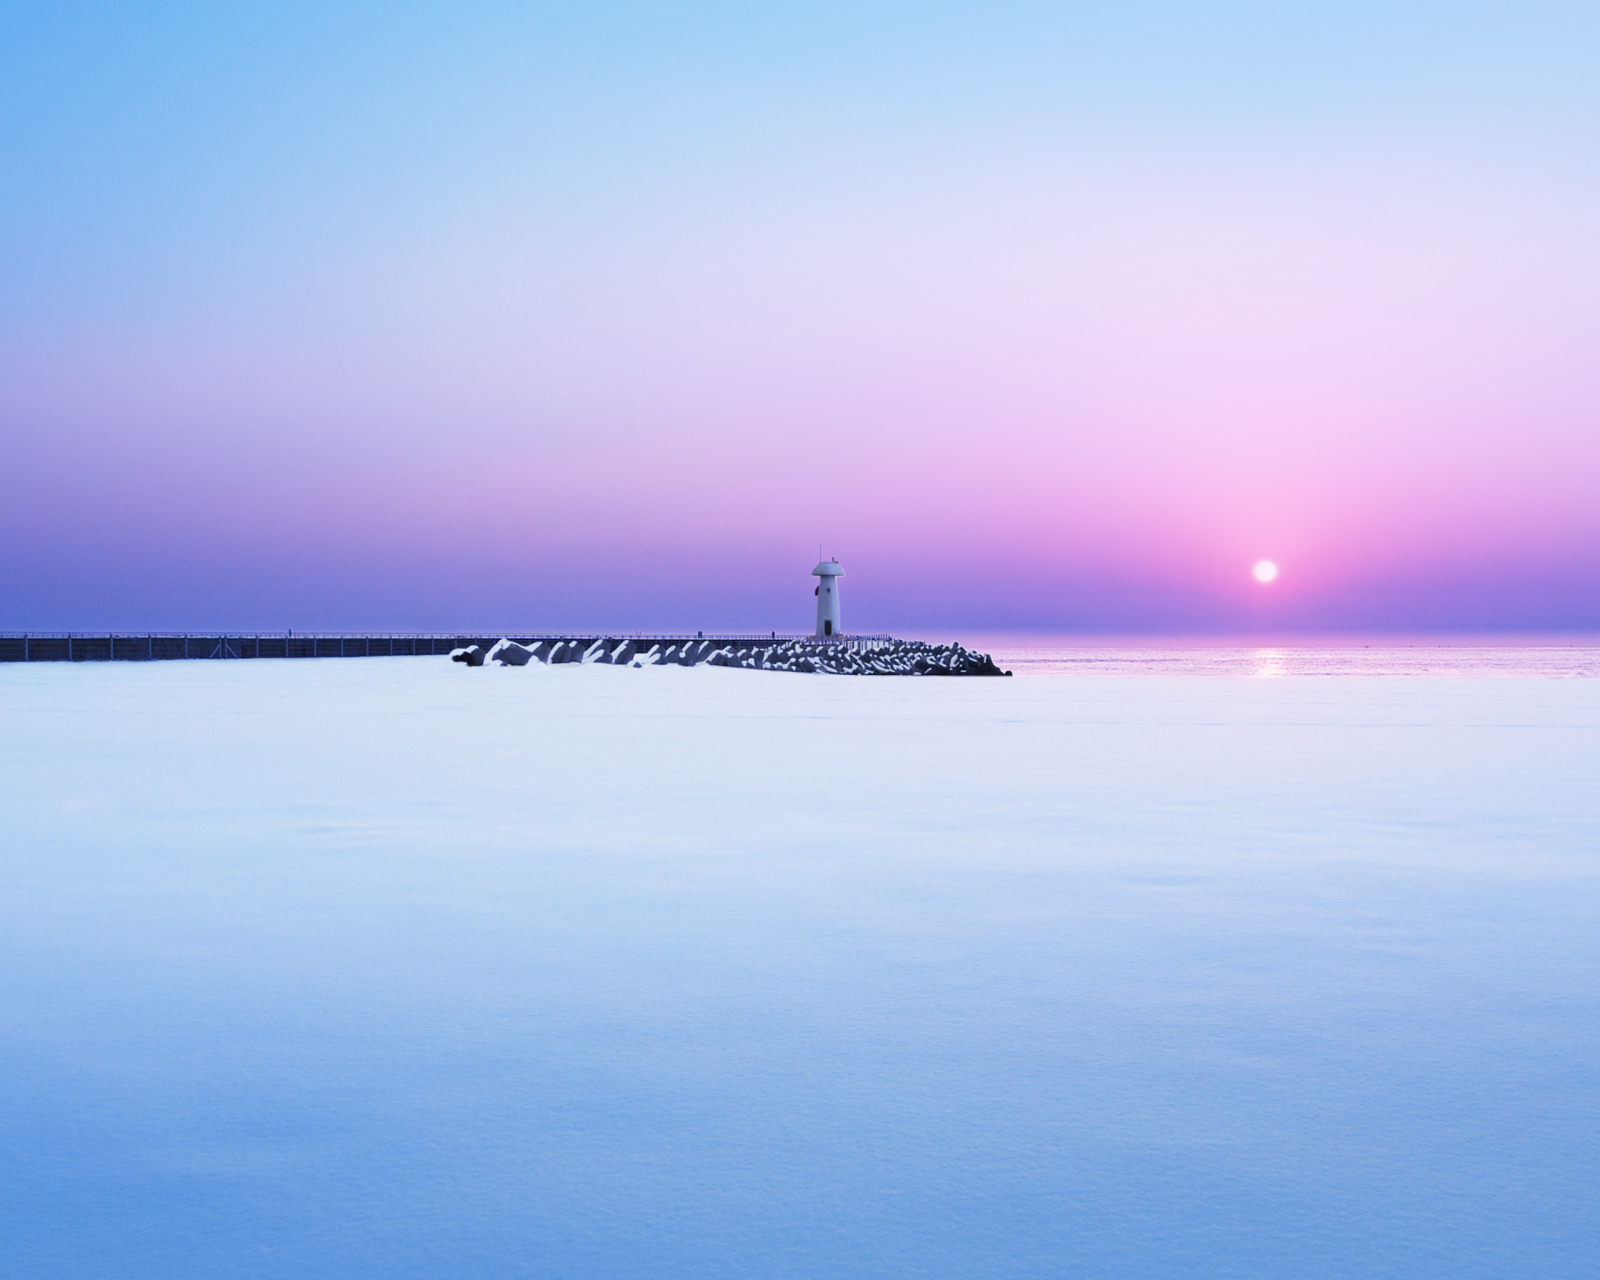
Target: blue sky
(424, 316)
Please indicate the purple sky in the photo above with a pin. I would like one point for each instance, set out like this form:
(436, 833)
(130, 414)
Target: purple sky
(507, 318)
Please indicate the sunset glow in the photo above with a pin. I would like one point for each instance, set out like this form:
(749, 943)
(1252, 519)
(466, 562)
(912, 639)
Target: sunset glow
(505, 343)
(1265, 571)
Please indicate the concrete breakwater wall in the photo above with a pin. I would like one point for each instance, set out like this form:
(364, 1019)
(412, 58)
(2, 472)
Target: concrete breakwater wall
(865, 656)
(61, 647)
(171, 646)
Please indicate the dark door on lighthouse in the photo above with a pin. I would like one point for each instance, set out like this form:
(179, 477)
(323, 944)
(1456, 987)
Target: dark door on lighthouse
(827, 627)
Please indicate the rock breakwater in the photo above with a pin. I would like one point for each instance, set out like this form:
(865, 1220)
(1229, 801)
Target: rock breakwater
(881, 658)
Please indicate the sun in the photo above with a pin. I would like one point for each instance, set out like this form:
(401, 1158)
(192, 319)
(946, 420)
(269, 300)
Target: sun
(1265, 571)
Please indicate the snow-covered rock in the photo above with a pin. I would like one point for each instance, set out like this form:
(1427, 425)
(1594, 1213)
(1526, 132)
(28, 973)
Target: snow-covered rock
(888, 658)
(508, 653)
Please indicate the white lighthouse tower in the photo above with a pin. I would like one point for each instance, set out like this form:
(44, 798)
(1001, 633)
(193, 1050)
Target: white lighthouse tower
(828, 597)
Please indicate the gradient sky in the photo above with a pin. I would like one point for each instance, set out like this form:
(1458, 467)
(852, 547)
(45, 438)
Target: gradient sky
(605, 315)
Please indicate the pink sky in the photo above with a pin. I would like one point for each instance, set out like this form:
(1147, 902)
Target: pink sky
(1038, 369)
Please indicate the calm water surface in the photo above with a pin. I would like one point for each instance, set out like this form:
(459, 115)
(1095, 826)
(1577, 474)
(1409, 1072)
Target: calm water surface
(1553, 658)
(393, 968)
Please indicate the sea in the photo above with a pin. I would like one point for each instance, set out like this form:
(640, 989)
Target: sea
(1543, 657)
(1165, 960)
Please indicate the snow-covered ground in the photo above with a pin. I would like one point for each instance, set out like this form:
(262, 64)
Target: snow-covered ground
(396, 968)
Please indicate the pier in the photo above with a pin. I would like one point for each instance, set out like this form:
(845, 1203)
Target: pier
(170, 646)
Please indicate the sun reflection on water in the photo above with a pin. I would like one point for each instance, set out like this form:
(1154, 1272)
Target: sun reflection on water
(1270, 663)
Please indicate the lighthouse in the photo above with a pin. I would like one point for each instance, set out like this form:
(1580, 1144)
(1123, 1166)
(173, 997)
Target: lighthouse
(828, 597)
